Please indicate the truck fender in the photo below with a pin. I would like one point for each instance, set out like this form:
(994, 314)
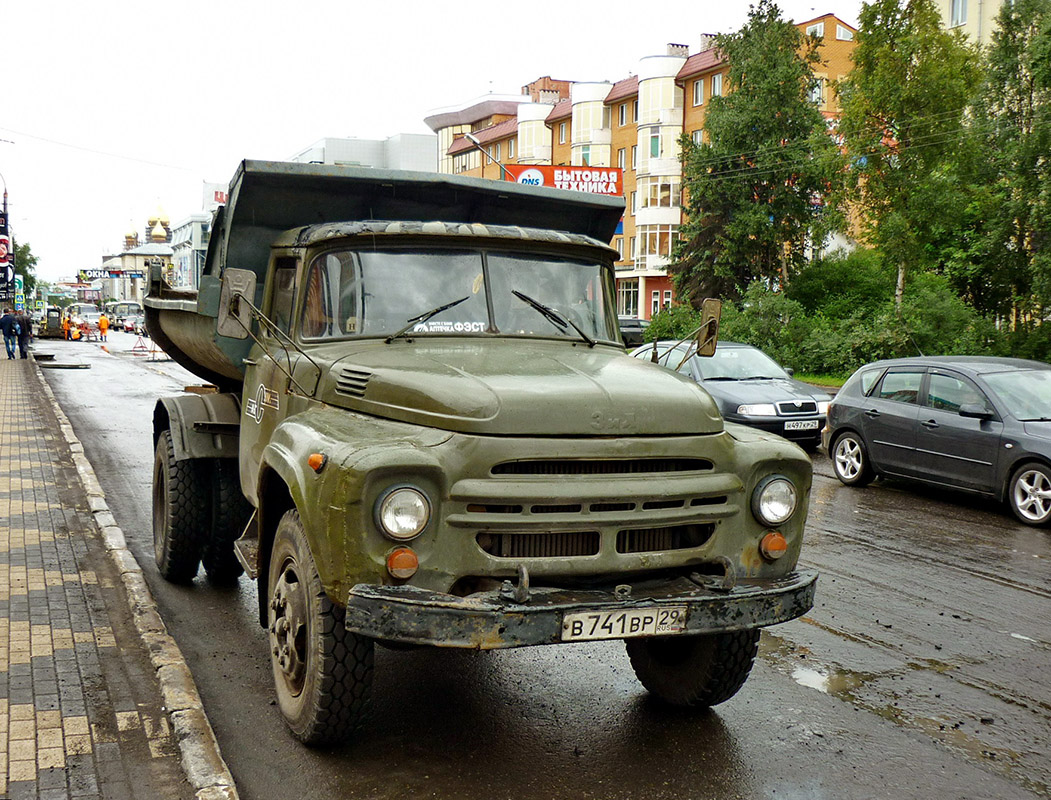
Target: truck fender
(201, 425)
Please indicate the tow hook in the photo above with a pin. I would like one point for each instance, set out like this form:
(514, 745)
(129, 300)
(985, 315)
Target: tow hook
(519, 593)
(725, 583)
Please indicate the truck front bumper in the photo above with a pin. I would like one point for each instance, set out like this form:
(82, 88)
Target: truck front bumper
(493, 620)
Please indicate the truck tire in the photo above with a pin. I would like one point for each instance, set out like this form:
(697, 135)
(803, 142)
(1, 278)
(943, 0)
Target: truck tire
(230, 514)
(694, 671)
(180, 512)
(322, 671)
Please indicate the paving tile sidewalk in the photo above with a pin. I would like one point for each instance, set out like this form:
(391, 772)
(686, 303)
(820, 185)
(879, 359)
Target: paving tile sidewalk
(81, 710)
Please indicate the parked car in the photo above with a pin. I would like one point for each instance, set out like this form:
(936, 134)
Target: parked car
(139, 325)
(631, 330)
(750, 388)
(128, 324)
(975, 423)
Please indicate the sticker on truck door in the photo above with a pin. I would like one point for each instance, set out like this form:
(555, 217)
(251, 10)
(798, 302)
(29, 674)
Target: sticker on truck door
(264, 398)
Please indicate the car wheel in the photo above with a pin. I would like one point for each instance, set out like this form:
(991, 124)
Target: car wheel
(694, 671)
(230, 513)
(180, 503)
(1029, 494)
(850, 460)
(322, 671)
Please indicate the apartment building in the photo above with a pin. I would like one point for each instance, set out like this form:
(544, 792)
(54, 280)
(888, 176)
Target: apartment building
(633, 124)
(976, 18)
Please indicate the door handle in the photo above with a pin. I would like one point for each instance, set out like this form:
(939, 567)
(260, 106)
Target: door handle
(249, 362)
(930, 424)
(873, 413)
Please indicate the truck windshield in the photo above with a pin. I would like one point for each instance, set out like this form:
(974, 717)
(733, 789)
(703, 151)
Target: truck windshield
(377, 293)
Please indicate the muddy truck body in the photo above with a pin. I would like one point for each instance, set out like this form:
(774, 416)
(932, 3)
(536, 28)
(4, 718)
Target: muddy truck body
(420, 428)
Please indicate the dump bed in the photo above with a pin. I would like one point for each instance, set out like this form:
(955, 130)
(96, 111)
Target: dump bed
(269, 197)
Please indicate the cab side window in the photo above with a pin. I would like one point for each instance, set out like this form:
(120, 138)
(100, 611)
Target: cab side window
(949, 392)
(284, 294)
(901, 387)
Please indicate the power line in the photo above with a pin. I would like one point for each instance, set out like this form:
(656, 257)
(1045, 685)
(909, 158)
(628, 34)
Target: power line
(98, 152)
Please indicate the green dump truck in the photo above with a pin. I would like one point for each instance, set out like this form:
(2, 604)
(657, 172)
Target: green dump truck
(421, 428)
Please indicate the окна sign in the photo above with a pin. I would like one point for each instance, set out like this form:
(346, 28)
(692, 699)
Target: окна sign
(597, 180)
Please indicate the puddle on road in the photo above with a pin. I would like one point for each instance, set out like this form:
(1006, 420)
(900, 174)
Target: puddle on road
(840, 683)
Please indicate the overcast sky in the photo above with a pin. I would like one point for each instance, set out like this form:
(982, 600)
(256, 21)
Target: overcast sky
(113, 109)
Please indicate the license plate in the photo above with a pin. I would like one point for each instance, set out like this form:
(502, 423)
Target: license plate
(801, 425)
(587, 625)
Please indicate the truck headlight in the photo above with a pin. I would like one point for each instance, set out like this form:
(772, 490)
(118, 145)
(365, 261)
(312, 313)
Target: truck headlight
(774, 500)
(403, 513)
(757, 410)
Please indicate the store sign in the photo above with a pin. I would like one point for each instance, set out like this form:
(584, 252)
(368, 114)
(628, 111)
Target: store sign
(214, 196)
(86, 275)
(596, 180)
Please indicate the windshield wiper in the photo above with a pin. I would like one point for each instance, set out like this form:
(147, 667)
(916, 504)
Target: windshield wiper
(759, 378)
(557, 319)
(1036, 419)
(722, 378)
(426, 315)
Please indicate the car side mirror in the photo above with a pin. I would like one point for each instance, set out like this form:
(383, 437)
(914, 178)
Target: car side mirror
(791, 373)
(708, 333)
(235, 297)
(975, 411)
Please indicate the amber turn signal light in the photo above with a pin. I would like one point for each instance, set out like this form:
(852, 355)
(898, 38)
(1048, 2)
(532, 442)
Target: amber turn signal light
(402, 563)
(773, 546)
(317, 461)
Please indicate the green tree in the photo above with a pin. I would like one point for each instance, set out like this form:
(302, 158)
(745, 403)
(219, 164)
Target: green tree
(1009, 244)
(25, 265)
(904, 104)
(753, 187)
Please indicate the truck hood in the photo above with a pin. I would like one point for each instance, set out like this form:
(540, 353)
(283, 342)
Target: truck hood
(519, 387)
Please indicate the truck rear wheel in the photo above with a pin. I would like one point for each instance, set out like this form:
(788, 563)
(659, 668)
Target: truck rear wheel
(695, 671)
(322, 672)
(180, 505)
(230, 514)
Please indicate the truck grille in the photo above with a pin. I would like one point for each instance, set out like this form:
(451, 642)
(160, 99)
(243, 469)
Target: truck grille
(790, 408)
(630, 466)
(352, 382)
(540, 545)
(654, 540)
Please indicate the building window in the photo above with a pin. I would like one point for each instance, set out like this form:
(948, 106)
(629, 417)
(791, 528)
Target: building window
(698, 92)
(844, 34)
(628, 297)
(510, 148)
(717, 85)
(660, 192)
(655, 145)
(561, 133)
(634, 110)
(634, 247)
(634, 203)
(656, 240)
(957, 13)
(817, 91)
(634, 156)
(698, 136)
(817, 29)
(496, 151)
(667, 298)
(619, 244)
(585, 155)
(623, 112)
(622, 158)
(655, 306)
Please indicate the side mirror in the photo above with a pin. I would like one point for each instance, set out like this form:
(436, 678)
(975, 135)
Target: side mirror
(975, 411)
(235, 297)
(708, 333)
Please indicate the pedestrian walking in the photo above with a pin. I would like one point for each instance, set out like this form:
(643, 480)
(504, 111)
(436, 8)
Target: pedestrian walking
(103, 326)
(25, 334)
(10, 328)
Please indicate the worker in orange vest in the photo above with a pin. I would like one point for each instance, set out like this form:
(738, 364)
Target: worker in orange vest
(103, 326)
(65, 327)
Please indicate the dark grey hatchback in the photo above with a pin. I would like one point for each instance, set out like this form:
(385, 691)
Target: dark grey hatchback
(976, 423)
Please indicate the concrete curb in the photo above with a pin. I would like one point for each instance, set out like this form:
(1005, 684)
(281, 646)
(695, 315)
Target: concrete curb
(201, 760)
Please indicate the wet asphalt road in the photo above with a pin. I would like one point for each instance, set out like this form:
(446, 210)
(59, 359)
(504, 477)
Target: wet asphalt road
(922, 671)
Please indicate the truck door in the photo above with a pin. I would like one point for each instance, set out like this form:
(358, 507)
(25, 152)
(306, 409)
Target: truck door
(265, 401)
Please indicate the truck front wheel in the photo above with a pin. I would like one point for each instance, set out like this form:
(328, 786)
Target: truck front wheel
(322, 672)
(180, 505)
(695, 671)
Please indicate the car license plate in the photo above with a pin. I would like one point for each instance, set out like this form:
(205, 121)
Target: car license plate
(622, 624)
(801, 425)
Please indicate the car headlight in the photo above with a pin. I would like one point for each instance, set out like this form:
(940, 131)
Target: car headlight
(774, 500)
(403, 513)
(822, 406)
(757, 410)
